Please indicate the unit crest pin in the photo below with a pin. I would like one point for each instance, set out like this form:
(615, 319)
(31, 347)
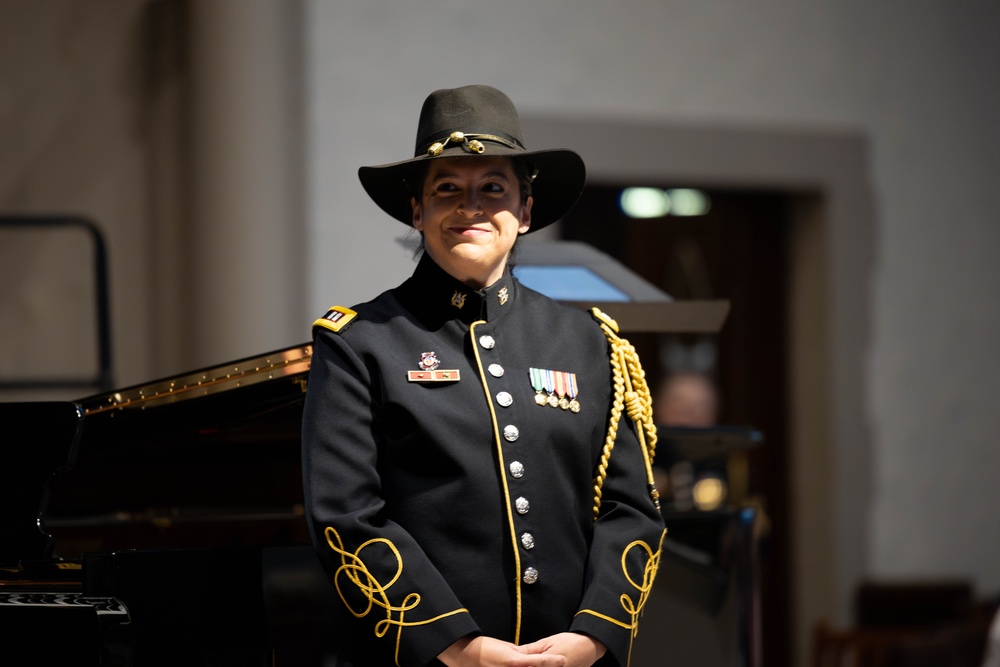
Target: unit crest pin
(429, 361)
(429, 370)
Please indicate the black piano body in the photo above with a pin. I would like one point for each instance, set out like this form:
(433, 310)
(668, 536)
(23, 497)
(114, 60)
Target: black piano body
(163, 523)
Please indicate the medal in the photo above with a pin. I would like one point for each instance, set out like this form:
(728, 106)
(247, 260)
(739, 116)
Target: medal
(561, 382)
(550, 387)
(574, 405)
(538, 385)
(557, 389)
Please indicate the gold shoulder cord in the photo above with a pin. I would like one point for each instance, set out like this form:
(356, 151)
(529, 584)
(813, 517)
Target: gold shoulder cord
(632, 393)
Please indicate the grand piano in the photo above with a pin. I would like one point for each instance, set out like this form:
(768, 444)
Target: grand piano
(162, 523)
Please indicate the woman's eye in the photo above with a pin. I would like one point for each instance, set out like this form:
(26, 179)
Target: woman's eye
(446, 187)
(495, 188)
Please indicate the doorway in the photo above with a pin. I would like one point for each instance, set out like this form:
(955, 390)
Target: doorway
(832, 258)
(732, 244)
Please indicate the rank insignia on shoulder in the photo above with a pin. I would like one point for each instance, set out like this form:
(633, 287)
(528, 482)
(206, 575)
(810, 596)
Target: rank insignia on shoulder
(336, 319)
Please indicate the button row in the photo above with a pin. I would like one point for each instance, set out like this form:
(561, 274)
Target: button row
(511, 433)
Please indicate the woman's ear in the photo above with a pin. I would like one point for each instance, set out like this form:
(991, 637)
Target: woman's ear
(418, 222)
(526, 216)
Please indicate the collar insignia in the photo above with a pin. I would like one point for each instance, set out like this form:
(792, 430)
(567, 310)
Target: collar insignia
(502, 295)
(458, 299)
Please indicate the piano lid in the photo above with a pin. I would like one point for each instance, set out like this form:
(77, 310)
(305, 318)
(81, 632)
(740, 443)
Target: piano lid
(202, 459)
(292, 361)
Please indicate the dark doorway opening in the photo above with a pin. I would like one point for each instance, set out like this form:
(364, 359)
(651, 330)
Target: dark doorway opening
(736, 250)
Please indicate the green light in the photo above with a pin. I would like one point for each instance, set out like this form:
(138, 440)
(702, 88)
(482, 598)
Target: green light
(687, 202)
(644, 202)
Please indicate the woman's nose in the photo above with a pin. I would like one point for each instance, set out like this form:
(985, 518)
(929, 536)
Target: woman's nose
(470, 204)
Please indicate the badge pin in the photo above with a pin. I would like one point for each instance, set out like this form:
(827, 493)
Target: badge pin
(429, 371)
(429, 361)
(502, 295)
(458, 299)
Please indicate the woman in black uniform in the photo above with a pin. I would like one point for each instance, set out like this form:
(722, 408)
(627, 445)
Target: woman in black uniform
(477, 456)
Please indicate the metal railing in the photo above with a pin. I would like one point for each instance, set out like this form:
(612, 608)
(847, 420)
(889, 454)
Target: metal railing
(104, 378)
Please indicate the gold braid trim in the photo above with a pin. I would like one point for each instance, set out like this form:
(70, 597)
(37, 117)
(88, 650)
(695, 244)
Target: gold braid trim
(354, 568)
(634, 607)
(631, 392)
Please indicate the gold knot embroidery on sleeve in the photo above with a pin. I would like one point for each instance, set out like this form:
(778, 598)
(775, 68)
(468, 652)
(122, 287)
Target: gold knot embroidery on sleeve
(355, 570)
(634, 607)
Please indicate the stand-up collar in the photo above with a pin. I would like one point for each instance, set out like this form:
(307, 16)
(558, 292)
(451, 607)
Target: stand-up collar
(436, 297)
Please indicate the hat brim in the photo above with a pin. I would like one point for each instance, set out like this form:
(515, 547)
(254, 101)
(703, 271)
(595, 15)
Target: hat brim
(556, 188)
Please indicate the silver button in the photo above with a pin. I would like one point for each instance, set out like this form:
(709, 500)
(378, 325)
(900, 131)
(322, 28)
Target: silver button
(496, 370)
(487, 341)
(505, 399)
(510, 432)
(528, 541)
(517, 469)
(522, 505)
(530, 575)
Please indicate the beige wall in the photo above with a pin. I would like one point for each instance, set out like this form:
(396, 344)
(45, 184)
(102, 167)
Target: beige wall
(72, 136)
(174, 127)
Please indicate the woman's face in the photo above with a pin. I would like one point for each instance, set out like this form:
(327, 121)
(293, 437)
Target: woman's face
(470, 213)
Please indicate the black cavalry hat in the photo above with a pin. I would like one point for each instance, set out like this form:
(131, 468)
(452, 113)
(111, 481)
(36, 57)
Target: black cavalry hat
(474, 121)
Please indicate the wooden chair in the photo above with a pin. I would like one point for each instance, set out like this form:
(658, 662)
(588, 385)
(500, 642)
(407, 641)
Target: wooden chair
(960, 645)
(850, 648)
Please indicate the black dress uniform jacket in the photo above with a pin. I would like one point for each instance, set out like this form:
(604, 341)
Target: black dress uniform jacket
(461, 506)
